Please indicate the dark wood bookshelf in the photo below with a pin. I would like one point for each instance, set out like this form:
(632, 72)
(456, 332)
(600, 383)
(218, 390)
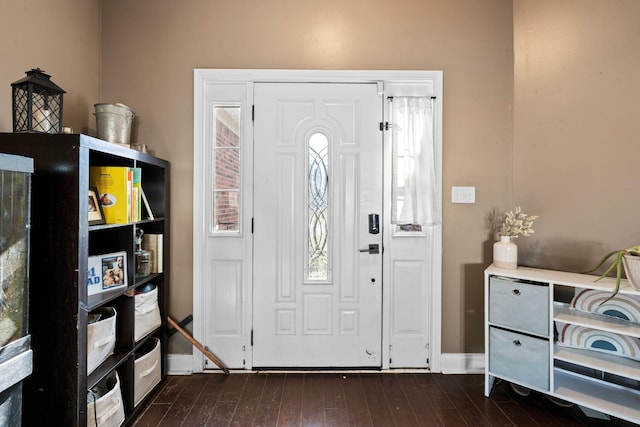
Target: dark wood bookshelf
(61, 240)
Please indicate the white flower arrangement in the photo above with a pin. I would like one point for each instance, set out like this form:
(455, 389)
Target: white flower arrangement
(517, 223)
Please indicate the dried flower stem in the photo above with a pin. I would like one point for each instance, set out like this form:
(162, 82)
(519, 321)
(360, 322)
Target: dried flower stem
(517, 223)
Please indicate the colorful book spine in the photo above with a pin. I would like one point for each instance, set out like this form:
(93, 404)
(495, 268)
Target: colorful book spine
(136, 208)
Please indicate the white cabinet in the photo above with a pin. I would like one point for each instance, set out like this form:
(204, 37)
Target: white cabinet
(524, 308)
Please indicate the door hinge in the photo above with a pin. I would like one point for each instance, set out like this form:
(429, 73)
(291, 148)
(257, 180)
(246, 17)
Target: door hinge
(253, 113)
(252, 338)
(384, 126)
(251, 225)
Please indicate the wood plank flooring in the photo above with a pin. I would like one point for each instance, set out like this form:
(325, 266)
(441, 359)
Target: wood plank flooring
(351, 399)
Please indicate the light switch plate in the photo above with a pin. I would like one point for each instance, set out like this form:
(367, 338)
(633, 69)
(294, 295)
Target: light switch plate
(463, 194)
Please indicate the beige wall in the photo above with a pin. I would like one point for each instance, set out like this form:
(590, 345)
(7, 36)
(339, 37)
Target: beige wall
(151, 47)
(63, 39)
(577, 128)
(553, 129)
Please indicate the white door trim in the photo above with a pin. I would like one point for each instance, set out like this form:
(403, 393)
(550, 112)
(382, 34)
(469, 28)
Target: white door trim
(205, 77)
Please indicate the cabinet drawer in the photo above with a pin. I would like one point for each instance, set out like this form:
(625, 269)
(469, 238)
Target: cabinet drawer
(519, 357)
(519, 305)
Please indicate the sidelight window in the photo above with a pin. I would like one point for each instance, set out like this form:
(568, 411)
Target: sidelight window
(226, 167)
(414, 188)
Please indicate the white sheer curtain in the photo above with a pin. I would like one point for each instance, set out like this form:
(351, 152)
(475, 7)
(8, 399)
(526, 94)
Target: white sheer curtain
(414, 191)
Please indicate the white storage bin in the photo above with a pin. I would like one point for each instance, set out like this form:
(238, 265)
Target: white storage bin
(101, 337)
(519, 357)
(107, 410)
(519, 305)
(147, 370)
(147, 313)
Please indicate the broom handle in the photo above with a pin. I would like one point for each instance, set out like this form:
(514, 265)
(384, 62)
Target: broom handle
(199, 346)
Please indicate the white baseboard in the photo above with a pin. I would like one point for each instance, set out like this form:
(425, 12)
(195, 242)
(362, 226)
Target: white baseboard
(179, 364)
(462, 363)
(450, 363)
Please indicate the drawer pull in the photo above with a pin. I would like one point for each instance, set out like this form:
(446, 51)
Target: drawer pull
(516, 292)
(517, 343)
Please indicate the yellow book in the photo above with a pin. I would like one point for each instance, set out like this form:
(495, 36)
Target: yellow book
(114, 185)
(136, 200)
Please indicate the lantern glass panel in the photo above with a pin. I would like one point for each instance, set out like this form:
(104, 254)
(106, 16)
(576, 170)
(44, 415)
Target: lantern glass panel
(20, 109)
(46, 110)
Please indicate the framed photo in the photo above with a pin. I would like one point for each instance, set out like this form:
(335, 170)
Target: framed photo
(106, 272)
(96, 216)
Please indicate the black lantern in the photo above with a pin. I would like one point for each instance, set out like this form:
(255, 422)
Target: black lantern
(37, 103)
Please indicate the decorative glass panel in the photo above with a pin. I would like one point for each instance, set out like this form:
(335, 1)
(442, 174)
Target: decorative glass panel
(227, 169)
(318, 208)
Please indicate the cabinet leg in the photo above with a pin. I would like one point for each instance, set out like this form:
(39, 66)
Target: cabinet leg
(489, 380)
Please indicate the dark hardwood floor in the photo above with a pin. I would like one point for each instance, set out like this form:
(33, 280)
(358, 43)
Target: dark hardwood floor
(351, 399)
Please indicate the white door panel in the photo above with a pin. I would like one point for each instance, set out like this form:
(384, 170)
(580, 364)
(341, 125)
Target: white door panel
(222, 258)
(411, 268)
(336, 320)
(409, 314)
(224, 315)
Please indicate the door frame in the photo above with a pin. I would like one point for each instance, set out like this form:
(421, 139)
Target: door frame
(206, 77)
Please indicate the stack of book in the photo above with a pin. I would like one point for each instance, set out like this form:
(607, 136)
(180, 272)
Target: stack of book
(120, 192)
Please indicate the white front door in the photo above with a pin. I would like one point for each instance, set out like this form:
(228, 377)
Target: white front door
(317, 288)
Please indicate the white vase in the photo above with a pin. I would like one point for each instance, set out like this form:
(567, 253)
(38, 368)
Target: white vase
(505, 253)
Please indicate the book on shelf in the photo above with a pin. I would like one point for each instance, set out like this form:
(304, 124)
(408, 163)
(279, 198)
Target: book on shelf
(106, 272)
(114, 183)
(120, 189)
(153, 243)
(145, 202)
(136, 198)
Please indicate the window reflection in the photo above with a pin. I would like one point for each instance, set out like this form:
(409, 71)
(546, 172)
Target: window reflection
(227, 170)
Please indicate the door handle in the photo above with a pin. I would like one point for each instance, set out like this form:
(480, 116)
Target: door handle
(373, 248)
